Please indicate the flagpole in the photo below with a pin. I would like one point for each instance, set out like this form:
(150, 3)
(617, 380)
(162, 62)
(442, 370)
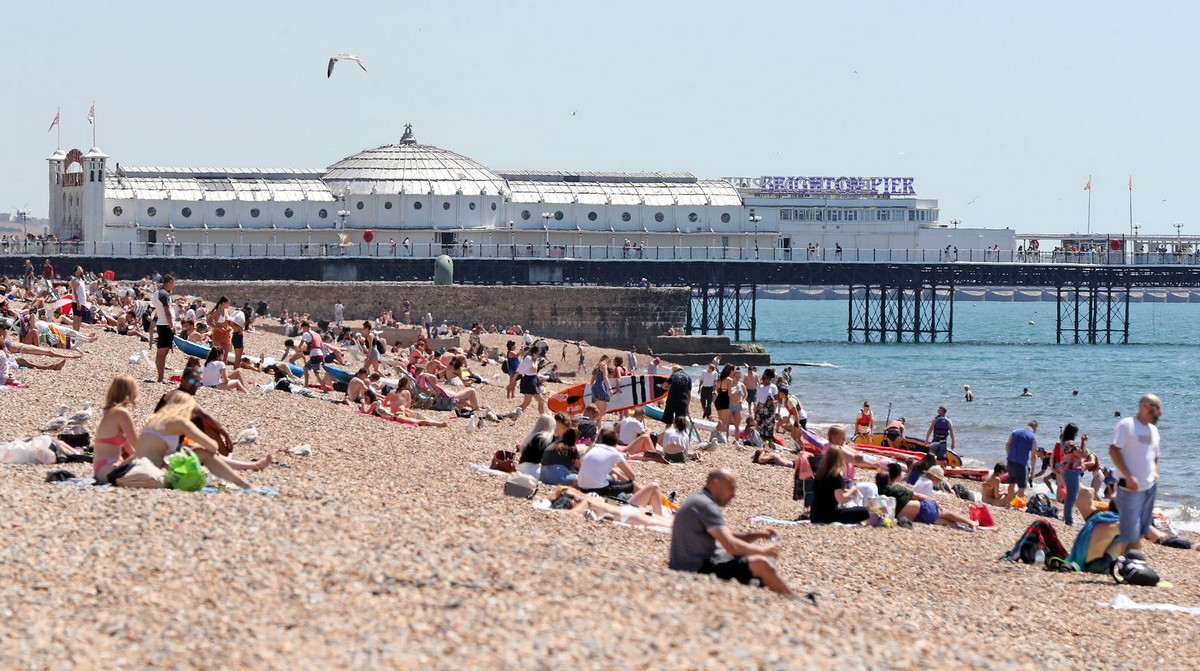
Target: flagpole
(93, 120)
(1089, 216)
(1131, 205)
(59, 125)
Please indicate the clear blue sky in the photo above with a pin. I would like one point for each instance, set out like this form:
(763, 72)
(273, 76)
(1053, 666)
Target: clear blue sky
(1011, 105)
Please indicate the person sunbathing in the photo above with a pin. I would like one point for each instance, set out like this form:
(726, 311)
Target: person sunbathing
(991, 488)
(116, 435)
(582, 504)
(171, 427)
(399, 403)
(916, 507)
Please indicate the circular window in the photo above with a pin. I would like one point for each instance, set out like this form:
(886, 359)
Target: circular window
(152, 211)
(558, 216)
(387, 205)
(693, 217)
(417, 205)
(446, 206)
(725, 218)
(186, 212)
(288, 213)
(254, 213)
(220, 211)
(472, 205)
(117, 211)
(359, 206)
(323, 213)
(591, 216)
(625, 216)
(658, 216)
(493, 207)
(525, 214)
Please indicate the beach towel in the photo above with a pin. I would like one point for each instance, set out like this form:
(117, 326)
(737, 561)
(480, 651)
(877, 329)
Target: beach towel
(767, 519)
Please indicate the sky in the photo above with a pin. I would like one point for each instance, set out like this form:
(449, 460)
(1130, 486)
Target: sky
(1001, 111)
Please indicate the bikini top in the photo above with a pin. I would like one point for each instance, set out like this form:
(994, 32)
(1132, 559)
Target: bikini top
(171, 440)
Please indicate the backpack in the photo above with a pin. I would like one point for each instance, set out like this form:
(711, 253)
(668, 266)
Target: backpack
(1132, 569)
(1077, 560)
(1038, 536)
(1040, 505)
(504, 367)
(521, 486)
(963, 493)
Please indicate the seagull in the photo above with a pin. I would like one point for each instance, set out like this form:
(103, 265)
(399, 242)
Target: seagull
(972, 200)
(58, 422)
(247, 436)
(1163, 201)
(574, 113)
(343, 57)
(266, 388)
(82, 417)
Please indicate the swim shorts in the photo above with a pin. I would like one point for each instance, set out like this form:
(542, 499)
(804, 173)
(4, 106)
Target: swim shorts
(737, 569)
(1016, 474)
(315, 363)
(928, 514)
(165, 337)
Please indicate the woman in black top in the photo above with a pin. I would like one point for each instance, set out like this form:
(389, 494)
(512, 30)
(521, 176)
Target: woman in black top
(540, 437)
(831, 490)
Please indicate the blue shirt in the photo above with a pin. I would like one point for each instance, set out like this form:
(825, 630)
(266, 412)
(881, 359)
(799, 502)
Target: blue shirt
(1021, 444)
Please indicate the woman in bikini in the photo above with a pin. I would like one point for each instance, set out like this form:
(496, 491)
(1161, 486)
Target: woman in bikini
(116, 435)
(171, 425)
(737, 401)
(219, 325)
(399, 404)
(863, 424)
(721, 403)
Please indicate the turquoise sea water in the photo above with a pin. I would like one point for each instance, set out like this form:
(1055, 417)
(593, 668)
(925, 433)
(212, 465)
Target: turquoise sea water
(997, 352)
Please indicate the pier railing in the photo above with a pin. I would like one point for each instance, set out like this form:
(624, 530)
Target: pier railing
(583, 252)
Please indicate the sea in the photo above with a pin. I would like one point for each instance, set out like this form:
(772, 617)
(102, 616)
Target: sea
(999, 349)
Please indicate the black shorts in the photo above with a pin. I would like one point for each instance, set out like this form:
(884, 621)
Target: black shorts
(165, 336)
(529, 384)
(675, 458)
(314, 363)
(239, 340)
(737, 569)
(613, 488)
(671, 411)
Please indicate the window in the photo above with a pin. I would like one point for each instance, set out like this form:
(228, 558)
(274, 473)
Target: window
(387, 205)
(591, 216)
(851, 215)
(818, 215)
(833, 215)
(625, 216)
(883, 215)
(417, 205)
(288, 213)
(151, 211)
(186, 212)
(785, 214)
(323, 213)
(493, 207)
(658, 216)
(558, 215)
(117, 211)
(912, 215)
(525, 215)
(804, 214)
(446, 205)
(725, 218)
(693, 217)
(471, 206)
(220, 211)
(359, 206)
(254, 213)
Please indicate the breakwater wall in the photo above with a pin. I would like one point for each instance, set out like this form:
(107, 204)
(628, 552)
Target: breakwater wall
(609, 316)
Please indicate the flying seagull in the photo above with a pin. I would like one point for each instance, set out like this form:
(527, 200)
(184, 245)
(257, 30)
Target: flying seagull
(343, 57)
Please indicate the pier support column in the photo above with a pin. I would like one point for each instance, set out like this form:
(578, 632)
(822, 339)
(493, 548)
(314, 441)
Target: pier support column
(1092, 314)
(723, 308)
(879, 313)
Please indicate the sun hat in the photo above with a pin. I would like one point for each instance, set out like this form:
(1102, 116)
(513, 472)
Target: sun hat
(936, 473)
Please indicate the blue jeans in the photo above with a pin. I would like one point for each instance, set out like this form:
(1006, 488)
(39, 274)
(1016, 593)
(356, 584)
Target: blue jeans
(557, 474)
(1071, 478)
(1136, 510)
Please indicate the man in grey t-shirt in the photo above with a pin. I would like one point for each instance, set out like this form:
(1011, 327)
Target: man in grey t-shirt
(699, 526)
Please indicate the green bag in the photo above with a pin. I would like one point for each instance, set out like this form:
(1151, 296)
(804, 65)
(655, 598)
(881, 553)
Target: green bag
(185, 472)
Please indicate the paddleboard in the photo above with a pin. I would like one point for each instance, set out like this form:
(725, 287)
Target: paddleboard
(632, 391)
(201, 352)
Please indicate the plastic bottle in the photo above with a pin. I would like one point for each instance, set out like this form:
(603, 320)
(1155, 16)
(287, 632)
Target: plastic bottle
(1039, 559)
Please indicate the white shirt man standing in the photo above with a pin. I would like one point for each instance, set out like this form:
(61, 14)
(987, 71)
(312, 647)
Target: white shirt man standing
(1134, 452)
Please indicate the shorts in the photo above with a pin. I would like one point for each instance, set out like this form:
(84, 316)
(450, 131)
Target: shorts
(629, 511)
(672, 411)
(613, 488)
(928, 513)
(675, 458)
(737, 408)
(1137, 510)
(85, 314)
(239, 340)
(601, 393)
(529, 384)
(1017, 475)
(165, 336)
(314, 363)
(330, 358)
(737, 569)
(752, 395)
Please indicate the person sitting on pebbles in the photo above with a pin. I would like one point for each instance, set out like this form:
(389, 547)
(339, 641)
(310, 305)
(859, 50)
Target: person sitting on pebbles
(189, 384)
(991, 488)
(596, 508)
(603, 471)
(116, 435)
(914, 506)
(168, 429)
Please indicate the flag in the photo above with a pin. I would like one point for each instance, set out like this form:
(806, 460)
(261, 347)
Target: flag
(92, 114)
(1131, 182)
(1088, 186)
(54, 123)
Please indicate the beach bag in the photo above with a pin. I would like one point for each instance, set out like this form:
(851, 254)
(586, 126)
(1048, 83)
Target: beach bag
(521, 486)
(185, 472)
(1040, 505)
(443, 403)
(962, 492)
(138, 474)
(504, 460)
(1038, 536)
(882, 511)
(1132, 569)
(981, 514)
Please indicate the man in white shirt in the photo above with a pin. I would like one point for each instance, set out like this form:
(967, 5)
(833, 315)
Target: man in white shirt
(708, 381)
(601, 462)
(631, 359)
(338, 313)
(1135, 452)
(164, 311)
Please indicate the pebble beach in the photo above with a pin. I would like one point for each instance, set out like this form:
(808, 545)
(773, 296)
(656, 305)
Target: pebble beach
(385, 549)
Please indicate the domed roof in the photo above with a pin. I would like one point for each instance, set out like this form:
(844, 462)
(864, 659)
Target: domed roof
(411, 168)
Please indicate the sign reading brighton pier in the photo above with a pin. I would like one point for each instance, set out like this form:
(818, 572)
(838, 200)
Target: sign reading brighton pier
(828, 186)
